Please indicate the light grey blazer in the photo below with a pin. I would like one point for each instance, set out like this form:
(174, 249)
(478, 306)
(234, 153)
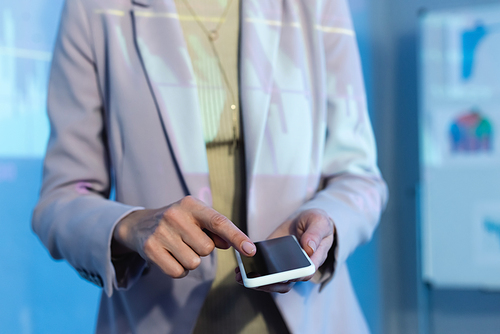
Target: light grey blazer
(124, 115)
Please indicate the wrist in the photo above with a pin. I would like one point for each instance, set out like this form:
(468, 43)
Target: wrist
(119, 243)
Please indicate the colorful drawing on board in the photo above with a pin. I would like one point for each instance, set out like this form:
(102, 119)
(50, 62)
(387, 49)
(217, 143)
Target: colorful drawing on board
(471, 39)
(471, 132)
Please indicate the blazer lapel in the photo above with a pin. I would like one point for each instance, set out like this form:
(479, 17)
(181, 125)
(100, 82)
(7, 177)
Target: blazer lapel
(260, 37)
(161, 44)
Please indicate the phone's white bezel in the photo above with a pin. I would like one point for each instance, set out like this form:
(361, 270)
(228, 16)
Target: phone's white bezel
(277, 277)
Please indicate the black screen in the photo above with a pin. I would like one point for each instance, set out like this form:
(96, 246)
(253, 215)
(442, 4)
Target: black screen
(274, 256)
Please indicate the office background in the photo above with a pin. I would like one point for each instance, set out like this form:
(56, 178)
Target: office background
(39, 295)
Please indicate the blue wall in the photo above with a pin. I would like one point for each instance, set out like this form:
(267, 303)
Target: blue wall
(37, 294)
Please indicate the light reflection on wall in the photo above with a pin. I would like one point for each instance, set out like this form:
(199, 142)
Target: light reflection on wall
(24, 127)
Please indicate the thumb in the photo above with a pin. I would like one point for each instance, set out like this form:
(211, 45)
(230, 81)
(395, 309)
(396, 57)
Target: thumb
(316, 228)
(310, 240)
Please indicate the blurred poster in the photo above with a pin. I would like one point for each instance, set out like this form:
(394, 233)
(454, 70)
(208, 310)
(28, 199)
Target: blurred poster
(460, 147)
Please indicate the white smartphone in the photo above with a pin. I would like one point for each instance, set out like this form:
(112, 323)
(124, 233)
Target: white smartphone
(276, 260)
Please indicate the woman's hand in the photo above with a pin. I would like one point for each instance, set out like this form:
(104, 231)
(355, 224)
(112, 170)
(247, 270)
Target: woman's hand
(314, 230)
(175, 237)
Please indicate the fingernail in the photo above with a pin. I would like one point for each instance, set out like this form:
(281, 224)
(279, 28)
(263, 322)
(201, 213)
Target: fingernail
(248, 248)
(312, 244)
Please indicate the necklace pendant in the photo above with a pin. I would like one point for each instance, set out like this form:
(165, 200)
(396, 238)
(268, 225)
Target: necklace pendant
(213, 35)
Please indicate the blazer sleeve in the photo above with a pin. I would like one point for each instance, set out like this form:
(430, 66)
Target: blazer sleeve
(354, 193)
(74, 217)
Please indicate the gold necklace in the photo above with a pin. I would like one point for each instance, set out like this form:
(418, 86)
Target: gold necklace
(212, 36)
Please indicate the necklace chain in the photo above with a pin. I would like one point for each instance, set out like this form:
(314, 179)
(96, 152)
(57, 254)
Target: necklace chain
(212, 35)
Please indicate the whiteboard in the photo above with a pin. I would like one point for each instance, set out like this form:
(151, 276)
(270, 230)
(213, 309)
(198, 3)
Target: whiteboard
(460, 147)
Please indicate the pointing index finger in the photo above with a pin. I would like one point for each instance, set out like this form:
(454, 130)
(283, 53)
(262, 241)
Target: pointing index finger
(220, 225)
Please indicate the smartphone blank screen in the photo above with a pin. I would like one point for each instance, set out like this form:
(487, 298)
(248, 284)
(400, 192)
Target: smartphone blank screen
(274, 256)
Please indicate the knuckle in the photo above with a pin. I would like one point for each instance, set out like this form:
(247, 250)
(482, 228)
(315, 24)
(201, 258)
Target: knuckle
(217, 220)
(177, 272)
(171, 214)
(148, 246)
(207, 248)
(187, 201)
(236, 237)
(193, 263)
(316, 215)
